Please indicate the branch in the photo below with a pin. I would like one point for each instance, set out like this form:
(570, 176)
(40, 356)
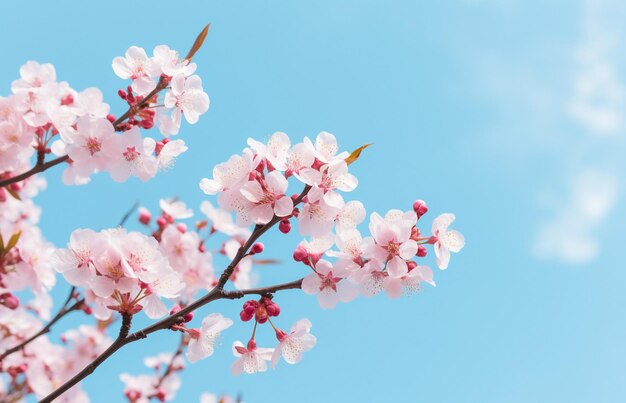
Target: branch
(124, 338)
(119, 342)
(46, 329)
(170, 365)
(216, 293)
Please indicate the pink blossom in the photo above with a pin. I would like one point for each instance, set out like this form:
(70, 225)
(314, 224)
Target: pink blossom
(251, 359)
(276, 152)
(130, 155)
(329, 285)
(135, 66)
(292, 345)
(202, 342)
(325, 148)
(410, 283)
(176, 209)
(392, 240)
(229, 175)
(447, 240)
(186, 97)
(86, 145)
(222, 221)
(317, 218)
(268, 197)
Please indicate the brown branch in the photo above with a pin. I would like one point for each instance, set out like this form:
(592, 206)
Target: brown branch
(170, 366)
(163, 83)
(65, 309)
(216, 293)
(124, 338)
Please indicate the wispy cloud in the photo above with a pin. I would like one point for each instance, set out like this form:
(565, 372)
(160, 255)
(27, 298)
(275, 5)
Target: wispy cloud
(571, 235)
(598, 102)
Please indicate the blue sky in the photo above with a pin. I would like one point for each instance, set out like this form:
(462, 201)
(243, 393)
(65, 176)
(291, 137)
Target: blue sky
(508, 113)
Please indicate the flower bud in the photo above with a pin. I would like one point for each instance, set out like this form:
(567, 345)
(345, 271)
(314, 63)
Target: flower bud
(421, 251)
(272, 309)
(284, 226)
(144, 216)
(300, 254)
(188, 317)
(420, 208)
(256, 248)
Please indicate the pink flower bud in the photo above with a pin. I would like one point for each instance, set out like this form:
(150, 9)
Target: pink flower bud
(256, 248)
(272, 309)
(284, 226)
(175, 309)
(300, 254)
(245, 316)
(421, 251)
(420, 208)
(250, 306)
(132, 395)
(188, 317)
(161, 222)
(111, 118)
(86, 308)
(411, 265)
(9, 300)
(181, 227)
(160, 395)
(144, 216)
(67, 100)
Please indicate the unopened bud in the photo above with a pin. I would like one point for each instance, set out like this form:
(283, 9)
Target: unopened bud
(161, 222)
(256, 248)
(300, 254)
(420, 208)
(284, 226)
(421, 251)
(144, 216)
(181, 227)
(188, 317)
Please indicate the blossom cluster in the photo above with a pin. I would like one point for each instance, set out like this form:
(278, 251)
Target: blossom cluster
(46, 116)
(254, 185)
(24, 253)
(42, 365)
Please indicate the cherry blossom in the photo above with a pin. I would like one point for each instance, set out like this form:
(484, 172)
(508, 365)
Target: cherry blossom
(135, 66)
(446, 240)
(186, 97)
(393, 243)
(131, 155)
(410, 282)
(252, 359)
(268, 198)
(292, 345)
(329, 285)
(201, 344)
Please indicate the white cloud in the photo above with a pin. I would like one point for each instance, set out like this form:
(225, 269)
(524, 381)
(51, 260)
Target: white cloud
(571, 235)
(598, 102)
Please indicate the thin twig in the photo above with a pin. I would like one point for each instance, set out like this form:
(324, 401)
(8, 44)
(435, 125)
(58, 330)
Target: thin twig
(170, 366)
(41, 166)
(64, 310)
(128, 214)
(143, 333)
(216, 293)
